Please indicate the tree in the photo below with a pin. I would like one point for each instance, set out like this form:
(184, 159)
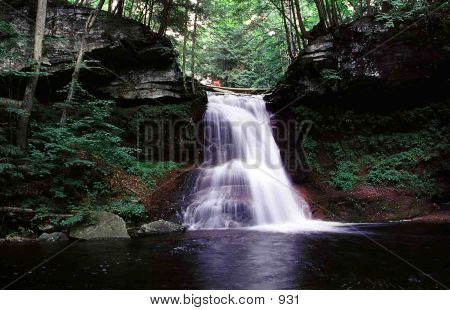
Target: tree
(290, 48)
(194, 38)
(165, 17)
(321, 12)
(185, 38)
(301, 25)
(119, 7)
(22, 125)
(76, 72)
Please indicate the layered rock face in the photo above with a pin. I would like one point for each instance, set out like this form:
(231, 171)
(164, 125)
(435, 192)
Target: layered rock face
(379, 103)
(128, 62)
(363, 63)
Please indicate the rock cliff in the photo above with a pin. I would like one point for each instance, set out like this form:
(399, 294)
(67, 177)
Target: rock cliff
(379, 104)
(126, 61)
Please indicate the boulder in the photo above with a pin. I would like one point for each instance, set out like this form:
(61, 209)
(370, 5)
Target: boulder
(107, 226)
(160, 227)
(18, 239)
(53, 237)
(47, 228)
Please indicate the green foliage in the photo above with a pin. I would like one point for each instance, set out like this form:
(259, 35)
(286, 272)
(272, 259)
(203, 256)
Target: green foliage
(403, 149)
(241, 43)
(344, 177)
(402, 10)
(310, 145)
(150, 171)
(127, 208)
(330, 75)
(66, 167)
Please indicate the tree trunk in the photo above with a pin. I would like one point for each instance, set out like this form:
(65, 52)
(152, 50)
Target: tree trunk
(194, 34)
(334, 12)
(301, 25)
(321, 12)
(76, 72)
(297, 38)
(150, 13)
(165, 17)
(110, 6)
(369, 7)
(186, 24)
(286, 30)
(119, 7)
(143, 14)
(328, 11)
(22, 124)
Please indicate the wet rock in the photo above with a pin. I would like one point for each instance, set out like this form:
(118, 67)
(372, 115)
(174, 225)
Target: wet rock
(53, 237)
(107, 226)
(160, 227)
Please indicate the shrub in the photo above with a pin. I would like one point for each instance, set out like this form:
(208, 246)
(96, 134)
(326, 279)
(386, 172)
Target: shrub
(344, 177)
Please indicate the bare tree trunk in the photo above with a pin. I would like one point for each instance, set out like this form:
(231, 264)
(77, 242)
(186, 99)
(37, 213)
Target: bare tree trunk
(22, 124)
(144, 13)
(301, 25)
(186, 24)
(165, 17)
(110, 6)
(194, 38)
(334, 12)
(119, 7)
(286, 29)
(328, 11)
(321, 12)
(150, 13)
(76, 72)
(369, 7)
(294, 25)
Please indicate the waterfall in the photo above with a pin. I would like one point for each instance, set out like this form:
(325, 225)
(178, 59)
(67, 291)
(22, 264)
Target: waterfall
(242, 181)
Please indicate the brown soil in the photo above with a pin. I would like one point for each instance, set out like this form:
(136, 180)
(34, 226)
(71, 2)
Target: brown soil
(366, 203)
(158, 202)
(436, 217)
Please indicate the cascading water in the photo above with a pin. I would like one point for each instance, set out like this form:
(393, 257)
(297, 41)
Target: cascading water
(242, 181)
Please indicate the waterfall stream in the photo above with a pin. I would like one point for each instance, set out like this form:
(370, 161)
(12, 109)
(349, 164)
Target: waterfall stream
(242, 181)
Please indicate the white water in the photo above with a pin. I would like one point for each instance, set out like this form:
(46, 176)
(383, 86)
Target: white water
(242, 182)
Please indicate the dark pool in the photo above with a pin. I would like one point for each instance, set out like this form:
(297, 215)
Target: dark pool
(387, 256)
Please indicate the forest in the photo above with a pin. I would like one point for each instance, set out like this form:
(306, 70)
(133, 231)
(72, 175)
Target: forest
(85, 82)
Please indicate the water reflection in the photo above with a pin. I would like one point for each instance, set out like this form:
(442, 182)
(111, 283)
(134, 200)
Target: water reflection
(239, 259)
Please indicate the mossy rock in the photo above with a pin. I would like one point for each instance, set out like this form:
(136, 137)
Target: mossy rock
(108, 226)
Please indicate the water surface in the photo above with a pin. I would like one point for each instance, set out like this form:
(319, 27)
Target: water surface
(241, 259)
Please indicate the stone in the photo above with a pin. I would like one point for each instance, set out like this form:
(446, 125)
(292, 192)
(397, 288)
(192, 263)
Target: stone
(53, 237)
(160, 227)
(18, 239)
(107, 226)
(46, 228)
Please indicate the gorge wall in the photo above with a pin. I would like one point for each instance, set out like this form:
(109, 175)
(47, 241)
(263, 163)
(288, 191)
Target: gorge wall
(379, 101)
